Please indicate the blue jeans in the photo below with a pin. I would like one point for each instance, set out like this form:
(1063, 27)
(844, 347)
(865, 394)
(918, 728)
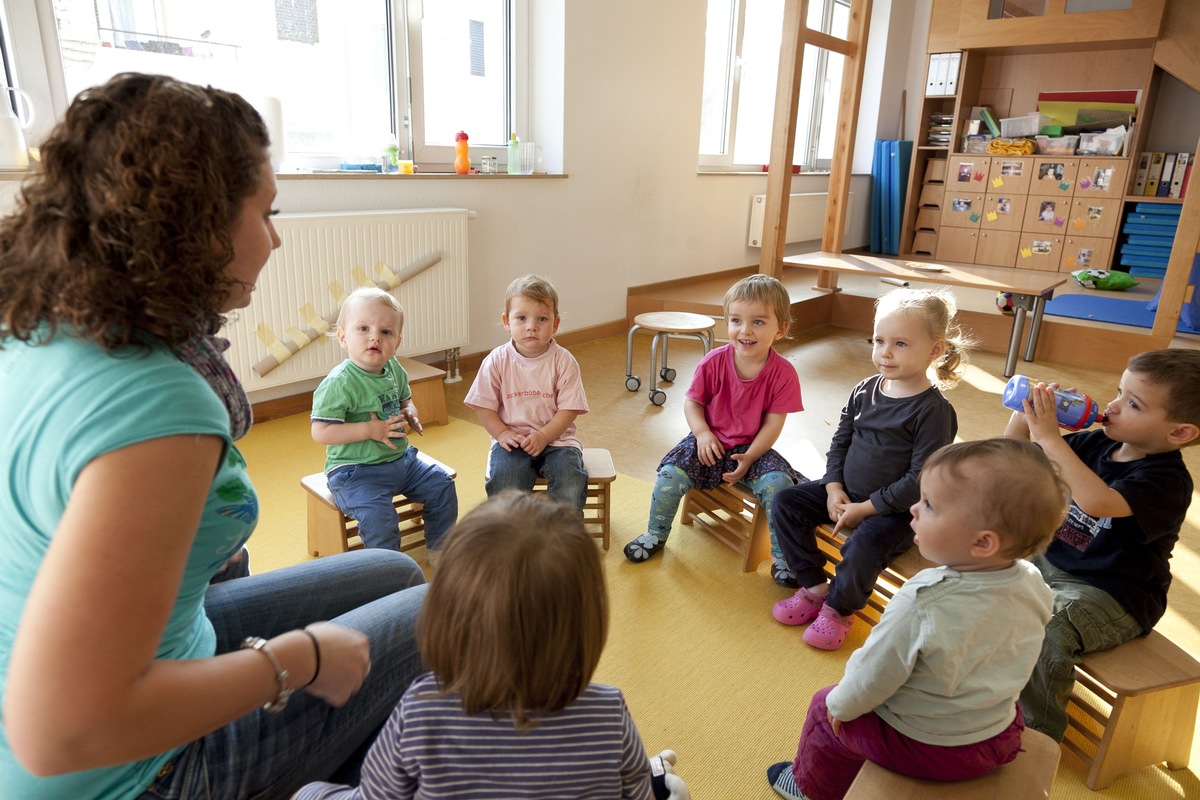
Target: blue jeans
(265, 755)
(874, 544)
(1086, 619)
(673, 483)
(562, 467)
(365, 492)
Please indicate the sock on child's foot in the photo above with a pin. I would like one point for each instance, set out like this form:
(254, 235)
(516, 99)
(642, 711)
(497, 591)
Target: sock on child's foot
(781, 780)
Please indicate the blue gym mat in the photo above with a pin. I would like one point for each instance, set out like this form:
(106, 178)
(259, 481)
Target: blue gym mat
(1106, 309)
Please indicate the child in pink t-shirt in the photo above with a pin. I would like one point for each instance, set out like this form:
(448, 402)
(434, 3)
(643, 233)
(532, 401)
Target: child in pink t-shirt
(527, 394)
(736, 406)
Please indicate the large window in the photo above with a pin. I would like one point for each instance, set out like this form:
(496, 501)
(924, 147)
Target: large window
(345, 78)
(741, 68)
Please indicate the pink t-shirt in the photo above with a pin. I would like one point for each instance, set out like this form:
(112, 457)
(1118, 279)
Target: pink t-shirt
(528, 392)
(734, 408)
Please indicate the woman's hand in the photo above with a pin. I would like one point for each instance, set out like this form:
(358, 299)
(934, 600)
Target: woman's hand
(345, 661)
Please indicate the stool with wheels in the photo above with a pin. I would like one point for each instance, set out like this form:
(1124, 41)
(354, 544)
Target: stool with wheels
(664, 324)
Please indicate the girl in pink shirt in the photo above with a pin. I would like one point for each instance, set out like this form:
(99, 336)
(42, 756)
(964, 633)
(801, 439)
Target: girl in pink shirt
(736, 406)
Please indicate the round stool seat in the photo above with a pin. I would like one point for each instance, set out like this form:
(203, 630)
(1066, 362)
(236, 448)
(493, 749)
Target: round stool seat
(674, 321)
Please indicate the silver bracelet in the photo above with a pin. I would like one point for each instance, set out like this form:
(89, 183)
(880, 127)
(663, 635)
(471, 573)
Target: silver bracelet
(281, 674)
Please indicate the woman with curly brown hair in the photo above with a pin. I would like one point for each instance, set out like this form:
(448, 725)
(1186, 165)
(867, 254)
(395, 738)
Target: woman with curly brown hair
(125, 674)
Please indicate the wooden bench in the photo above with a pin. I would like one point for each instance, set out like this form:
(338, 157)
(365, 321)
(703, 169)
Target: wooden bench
(732, 514)
(597, 506)
(330, 531)
(1030, 775)
(1148, 680)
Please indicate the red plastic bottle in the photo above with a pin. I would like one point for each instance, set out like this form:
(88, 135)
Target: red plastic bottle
(462, 161)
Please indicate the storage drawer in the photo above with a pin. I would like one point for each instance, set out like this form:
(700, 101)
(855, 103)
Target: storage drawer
(1046, 214)
(935, 170)
(1010, 175)
(1085, 252)
(957, 244)
(962, 209)
(997, 248)
(1003, 212)
(931, 195)
(1094, 216)
(967, 173)
(1102, 177)
(1054, 175)
(925, 243)
(1039, 251)
(928, 219)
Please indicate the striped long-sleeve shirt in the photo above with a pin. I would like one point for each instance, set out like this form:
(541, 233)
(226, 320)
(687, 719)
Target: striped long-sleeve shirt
(430, 748)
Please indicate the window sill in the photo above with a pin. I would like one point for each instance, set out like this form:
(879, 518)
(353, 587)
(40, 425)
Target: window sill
(361, 175)
(704, 171)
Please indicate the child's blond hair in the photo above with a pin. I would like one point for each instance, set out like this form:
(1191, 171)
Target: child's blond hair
(1016, 490)
(765, 290)
(517, 616)
(935, 310)
(536, 288)
(369, 294)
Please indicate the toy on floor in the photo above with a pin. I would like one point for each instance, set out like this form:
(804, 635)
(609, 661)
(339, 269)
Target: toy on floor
(297, 339)
(1112, 281)
(667, 785)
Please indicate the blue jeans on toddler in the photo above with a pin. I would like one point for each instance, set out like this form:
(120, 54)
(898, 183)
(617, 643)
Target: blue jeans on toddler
(562, 467)
(269, 756)
(365, 492)
(1086, 619)
(673, 483)
(874, 544)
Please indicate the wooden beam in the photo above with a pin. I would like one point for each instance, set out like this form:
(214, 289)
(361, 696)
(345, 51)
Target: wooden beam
(783, 137)
(847, 124)
(1179, 266)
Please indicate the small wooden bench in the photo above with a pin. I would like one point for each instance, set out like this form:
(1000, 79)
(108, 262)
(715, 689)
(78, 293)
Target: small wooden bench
(1133, 706)
(1148, 680)
(427, 384)
(1030, 775)
(597, 506)
(732, 514)
(330, 531)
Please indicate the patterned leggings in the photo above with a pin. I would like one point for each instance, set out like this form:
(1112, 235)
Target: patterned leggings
(673, 483)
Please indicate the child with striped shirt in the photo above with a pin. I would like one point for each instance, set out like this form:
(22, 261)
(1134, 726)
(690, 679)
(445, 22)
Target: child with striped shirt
(512, 630)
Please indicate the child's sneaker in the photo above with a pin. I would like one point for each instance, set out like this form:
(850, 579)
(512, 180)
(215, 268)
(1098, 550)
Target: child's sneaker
(781, 780)
(799, 609)
(643, 547)
(829, 630)
(783, 575)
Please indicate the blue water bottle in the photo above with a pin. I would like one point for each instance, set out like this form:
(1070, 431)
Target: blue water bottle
(1075, 411)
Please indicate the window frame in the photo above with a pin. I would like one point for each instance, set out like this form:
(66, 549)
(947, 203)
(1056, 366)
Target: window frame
(35, 55)
(809, 161)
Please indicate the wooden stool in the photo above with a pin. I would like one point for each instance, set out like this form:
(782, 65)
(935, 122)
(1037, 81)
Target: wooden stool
(1030, 775)
(665, 324)
(733, 515)
(330, 531)
(597, 506)
(1143, 696)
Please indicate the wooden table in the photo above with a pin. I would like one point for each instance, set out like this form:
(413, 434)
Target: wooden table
(1030, 288)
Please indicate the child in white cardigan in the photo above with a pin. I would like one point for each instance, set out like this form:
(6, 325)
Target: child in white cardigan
(933, 692)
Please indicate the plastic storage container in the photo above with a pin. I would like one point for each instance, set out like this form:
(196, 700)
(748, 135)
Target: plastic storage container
(1028, 125)
(1101, 144)
(1057, 145)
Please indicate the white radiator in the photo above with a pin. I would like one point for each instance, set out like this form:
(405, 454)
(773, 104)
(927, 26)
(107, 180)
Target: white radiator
(806, 217)
(326, 256)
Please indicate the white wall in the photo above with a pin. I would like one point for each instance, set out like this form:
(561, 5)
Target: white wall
(633, 208)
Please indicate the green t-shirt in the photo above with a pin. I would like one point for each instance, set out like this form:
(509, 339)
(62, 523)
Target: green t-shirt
(350, 394)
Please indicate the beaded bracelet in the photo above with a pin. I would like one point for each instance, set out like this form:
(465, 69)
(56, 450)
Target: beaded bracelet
(281, 674)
